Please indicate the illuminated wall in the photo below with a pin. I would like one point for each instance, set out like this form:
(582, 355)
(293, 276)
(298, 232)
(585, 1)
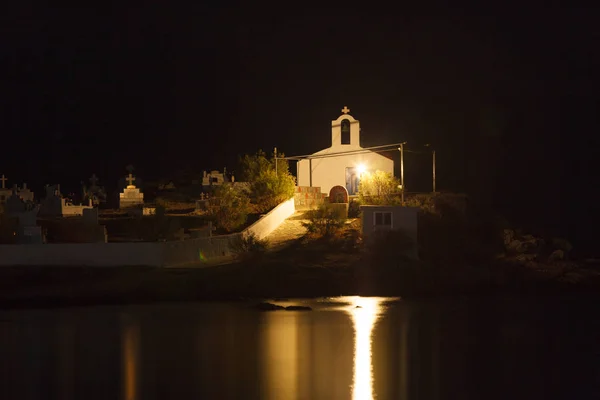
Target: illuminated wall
(328, 172)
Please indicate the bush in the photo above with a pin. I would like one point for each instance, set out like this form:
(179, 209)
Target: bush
(324, 222)
(379, 188)
(268, 186)
(230, 208)
(248, 247)
(354, 208)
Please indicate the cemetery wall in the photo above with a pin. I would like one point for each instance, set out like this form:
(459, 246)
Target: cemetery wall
(197, 250)
(83, 254)
(154, 254)
(271, 221)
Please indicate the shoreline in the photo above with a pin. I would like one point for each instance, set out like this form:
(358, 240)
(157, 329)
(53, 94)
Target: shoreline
(61, 287)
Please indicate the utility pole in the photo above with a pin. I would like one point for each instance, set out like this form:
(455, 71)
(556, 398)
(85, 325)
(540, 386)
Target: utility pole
(433, 171)
(401, 148)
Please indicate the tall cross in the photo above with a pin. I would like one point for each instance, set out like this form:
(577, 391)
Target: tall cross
(130, 179)
(94, 179)
(345, 110)
(3, 181)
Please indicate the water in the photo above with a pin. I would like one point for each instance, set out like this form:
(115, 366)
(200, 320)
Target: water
(387, 349)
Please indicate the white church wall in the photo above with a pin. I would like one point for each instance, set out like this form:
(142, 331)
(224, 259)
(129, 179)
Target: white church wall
(327, 172)
(331, 171)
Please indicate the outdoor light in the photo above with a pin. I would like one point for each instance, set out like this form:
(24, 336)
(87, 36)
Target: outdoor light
(361, 168)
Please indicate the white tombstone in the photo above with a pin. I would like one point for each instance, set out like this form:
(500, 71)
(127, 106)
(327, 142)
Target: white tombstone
(55, 205)
(52, 204)
(4, 192)
(131, 196)
(214, 178)
(14, 204)
(25, 193)
(28, 232)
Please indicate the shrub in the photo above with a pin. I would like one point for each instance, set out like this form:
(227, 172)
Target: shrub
(268, 186)
(379, 188)
(248, 247)
(324, 222)
(354, 208)
(230, 208)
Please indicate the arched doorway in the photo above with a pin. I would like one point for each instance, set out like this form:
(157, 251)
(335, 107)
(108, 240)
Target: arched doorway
(352, 180)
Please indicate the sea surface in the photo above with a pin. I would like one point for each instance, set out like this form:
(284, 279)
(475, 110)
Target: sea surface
(345, 348)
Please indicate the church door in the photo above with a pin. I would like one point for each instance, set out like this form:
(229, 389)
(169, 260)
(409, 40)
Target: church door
(352, 181)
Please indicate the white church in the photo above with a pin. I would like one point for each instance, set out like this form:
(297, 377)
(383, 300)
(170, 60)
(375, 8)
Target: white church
(343, 163)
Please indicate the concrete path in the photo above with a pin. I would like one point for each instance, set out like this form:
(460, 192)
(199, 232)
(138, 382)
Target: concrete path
(289, 231)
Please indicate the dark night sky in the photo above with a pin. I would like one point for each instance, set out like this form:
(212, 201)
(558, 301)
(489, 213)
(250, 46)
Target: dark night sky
(506, 99)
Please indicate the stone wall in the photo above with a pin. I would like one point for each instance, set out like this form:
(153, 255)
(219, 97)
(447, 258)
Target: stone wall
(308, 198)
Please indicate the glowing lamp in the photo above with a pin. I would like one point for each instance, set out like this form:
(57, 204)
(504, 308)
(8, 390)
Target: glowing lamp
(361, 169)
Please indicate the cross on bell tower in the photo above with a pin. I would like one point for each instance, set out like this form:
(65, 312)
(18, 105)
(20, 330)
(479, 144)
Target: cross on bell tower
(345, 110)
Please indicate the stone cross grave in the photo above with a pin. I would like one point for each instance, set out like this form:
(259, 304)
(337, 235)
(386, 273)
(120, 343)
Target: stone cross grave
(130, 179)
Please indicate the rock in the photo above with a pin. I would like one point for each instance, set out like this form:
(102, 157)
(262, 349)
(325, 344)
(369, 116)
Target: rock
(298, 308)
(556, 255)
(516, 246)
(269, 307)
(562, 244)
(509, 236)
(526, 257)
(530, 242)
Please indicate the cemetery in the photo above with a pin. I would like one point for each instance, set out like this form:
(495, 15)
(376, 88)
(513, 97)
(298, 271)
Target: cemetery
(54, 230)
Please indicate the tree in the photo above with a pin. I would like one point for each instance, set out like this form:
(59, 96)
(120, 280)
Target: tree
(379, 188)
(269, 186)
(231, 208)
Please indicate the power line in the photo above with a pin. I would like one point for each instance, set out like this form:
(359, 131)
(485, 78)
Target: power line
(365, 150)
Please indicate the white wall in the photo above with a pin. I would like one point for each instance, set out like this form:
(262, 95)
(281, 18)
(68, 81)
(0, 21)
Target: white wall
(82, 254)
(404, 219)
(331, 171)
(271, 221)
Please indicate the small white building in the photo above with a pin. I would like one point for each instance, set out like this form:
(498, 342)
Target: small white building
(331, 167)
(376, 220)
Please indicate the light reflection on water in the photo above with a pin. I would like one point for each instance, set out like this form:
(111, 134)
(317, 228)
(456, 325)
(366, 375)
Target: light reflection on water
(380, 350)
(130, 351)
(364, 315)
